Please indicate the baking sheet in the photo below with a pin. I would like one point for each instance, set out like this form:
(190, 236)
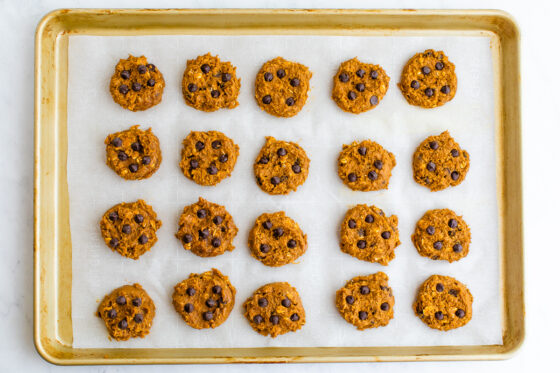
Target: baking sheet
(318, 205)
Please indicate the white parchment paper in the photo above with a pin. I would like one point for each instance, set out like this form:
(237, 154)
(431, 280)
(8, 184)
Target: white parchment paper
(318, 205)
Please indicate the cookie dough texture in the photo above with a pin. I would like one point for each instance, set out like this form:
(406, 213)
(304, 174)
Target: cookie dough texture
(367, 234)
(365, 166)
(366, 301)
(275, 309)
(206, 229)
(204, 300)
(136, 84)
(208, 157)
(443, 303)
(210, 84)
(133, 154)
(428, 79)
(442, 235)
(127, 312)
(281, 166)
(281, 87)
(130, 228)
(276, 240)
(358, 86)
(439, 162)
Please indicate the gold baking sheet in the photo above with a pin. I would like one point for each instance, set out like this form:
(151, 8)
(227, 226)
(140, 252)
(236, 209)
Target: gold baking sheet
(53, 252)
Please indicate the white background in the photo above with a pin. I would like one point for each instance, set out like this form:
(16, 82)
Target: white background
(541, 129)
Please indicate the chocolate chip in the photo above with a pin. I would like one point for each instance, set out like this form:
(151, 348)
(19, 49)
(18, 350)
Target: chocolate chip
(203, 234)
(201, 213)
(373, 74)
(143, 239)
(362, 150)
(223, 158)
(445, 89)
(438, 315)
(438, 245)
(294, 82)
(262, 302)
(136, 146)
(226, 77)
(212, 170)
(258, 318)
(369, 218)
(364, 290)
(362, 315)
(112, 313)
(454, 153)
(123, 89)
(208, 316)
(360, 87)
(194, 164)
(187, 238)
(350, 299)
(264, 248)
(361, 244)
(216, 144)
(114, 242)
(290, 101)
(386, 235)
(121, 300)
(137, 302)
(431, 166)
(138, 318)
(117, 142)
(136, 86)
(439, 287)
(429, 92)
(146, 160)
(267, 224)
(430, 230)
(292, 244)
(281, 152)
(453, 292)
(113, 216)
(373, 100)
(352, 95)
(125, 74)
(434, 145)
(372, 175)
(384, 306)
(360, 73)
(267, 99)
(352, 177)
(351, 224)
(275, 180)
(218, 220)
(454, 175)
(274, 319)
(215, 93)
(294, 317)
(343, 77)
(263, 160)
(286, 302)
(216, 242)
(142, 69)
(278, 232)
(122, 155)
(281, 73)
(378, 164)
(452, 223)
(188, 308)
(123, 324)
(152, 67)
(460, 313)
(126, 229)
(426, 70)
(439, 65)
(192, 87)
(191, 291)
(415, 84)
(205, 68)
(211, 303)
(457, 248)
(217, 289)
(268, 77)
(151, 82)
(296, 168)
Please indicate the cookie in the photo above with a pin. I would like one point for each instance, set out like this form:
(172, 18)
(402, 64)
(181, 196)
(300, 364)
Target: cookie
(130, 228)
(276, 240)
(443, 303)
(210, 84)
(133, 154)
(281, 87)
(127, 312)
(365, 166)
(358, 86)
(204, 300)
(275, 309)
(428, 79)
(136, 84)
(281, 166)
(206, 229)
(439, 162)
(367, 234)
(366, 301)
(208, 157)
(442, 235)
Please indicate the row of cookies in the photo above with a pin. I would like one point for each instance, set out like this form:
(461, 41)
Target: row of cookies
(428, 80)
(281, 166)
(206, 300)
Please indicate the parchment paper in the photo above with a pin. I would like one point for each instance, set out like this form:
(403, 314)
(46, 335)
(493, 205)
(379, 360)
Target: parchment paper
(319, 205)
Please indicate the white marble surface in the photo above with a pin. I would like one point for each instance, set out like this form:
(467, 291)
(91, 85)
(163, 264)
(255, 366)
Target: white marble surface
(541, 113)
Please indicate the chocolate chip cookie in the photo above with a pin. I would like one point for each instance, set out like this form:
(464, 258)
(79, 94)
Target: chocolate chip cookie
(365, 166)
(442, 234)
(208, 157)
(443, 303)
(281, 166)
(428, 79)
(210, 84)
(206, 229)
(133, 154)
(367, 234)
(204, 300)
(276, 240)
(439, 162)
(366, 301)
(136, 84)
(130, 228)
(358, 86)
(127, 312)
(281, 87)
(275, 309)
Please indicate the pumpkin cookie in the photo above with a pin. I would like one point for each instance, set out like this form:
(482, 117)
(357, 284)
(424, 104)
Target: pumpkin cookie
(276, 240)
(133, 154)
(136, 84)
(365, 166)
(428, 79)
(439, 162)
(275, 309)
(281, 167)
(204, 300)
(441, 234)
(443, 303)
(206, 229)
(127, 312)
(281, 87)
(210, 84)
(359, 86)
(208, 157)
(367, 234)
(366, 301)
(130, 228)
